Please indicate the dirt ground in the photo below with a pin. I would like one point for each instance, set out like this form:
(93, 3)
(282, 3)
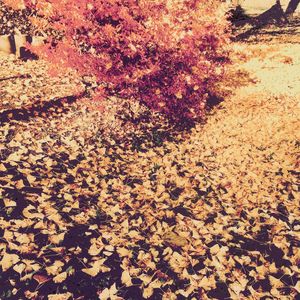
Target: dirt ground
(208, 214)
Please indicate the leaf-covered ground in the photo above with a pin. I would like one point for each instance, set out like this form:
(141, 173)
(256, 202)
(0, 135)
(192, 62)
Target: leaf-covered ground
(208, 214)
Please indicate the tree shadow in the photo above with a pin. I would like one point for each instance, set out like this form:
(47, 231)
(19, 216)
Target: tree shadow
(272, 22)
(37, 109)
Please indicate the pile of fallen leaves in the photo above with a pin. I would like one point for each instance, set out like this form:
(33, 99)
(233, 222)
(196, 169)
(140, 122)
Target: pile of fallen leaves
(207, 214)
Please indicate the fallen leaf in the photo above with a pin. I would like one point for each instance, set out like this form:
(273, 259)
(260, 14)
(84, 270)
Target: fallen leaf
(64, 296)
(175, 239)
(31, 179)
(94, 250)
(148, 292)
(55, 268)
(126, 278)
(40, 278)
(2, 168)
(60, 277)
(19, 268)
(97, 266)
(57, 238)
(29, 215)
(8, 260)
(9, 203)
(110, 293)
(31, 295)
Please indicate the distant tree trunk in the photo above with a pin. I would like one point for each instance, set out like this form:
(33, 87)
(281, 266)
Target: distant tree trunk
(273, 14)
(293, 4)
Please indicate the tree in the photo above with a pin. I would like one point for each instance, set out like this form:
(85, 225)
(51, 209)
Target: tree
(167, 54)
(292, 6)
(274, 14)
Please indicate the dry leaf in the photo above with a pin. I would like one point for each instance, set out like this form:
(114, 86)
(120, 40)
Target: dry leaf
(65, 296)
(123, 252)
(55, 268)
(31, 179)
(60, 277)
(97, 266)
(40, 278)
(30, 215)
(9, 203)
(19, 268)
(16, 156)
(110, 293)
(57, 238)
(31, 295)
(126, 278)
(175, 239)
(148, 292)
(2, 168)
(95, 250)
(105, 295)
(8, 260)
(23, 239)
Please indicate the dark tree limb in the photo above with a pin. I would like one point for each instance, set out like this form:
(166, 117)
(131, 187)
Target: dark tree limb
(21, 76)
(292, 6)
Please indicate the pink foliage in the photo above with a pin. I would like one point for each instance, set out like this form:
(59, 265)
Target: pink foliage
(167, 54)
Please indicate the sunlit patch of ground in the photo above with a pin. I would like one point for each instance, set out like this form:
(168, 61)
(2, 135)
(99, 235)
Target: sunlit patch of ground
(207, 214)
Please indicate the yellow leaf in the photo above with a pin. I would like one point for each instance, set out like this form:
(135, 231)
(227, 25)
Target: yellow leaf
(206, 283)
(8, 260)
(31, 179)
(105, 295)
(95, 269)
(31, 295)
(9, 203)
(14, 157)
(19, 268)
(126, 278)
(93, 227)
(178, 95)
(109, 248)
(55, 268)
(30, 215)
(215, 249)
(275, 282)
(175, 239)
(148, 292)
(236, 288)
(123, 252)
(68, 197)
(94, 250)
(20, 184)
(156, 284)
(125, 226)
(134, 234)
(75, 205)
(145, 278)
(2, 168)
(26, 277)
(64, 296)
(60, 277)
(23, 239)
(57, 238)
(109, 293)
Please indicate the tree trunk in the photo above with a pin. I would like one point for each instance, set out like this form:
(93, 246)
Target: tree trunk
(274, 14)
(293, 4)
